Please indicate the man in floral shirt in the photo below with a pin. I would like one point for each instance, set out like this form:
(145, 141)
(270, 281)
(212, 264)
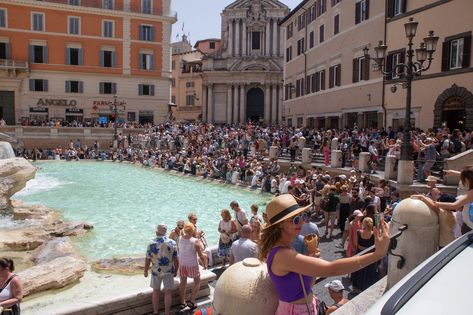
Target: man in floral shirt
(162, 254)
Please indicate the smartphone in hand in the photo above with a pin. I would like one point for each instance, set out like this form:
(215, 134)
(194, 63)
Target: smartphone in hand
(378, 218)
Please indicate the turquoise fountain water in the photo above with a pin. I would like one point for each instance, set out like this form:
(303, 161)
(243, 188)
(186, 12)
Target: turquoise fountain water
(125, 202)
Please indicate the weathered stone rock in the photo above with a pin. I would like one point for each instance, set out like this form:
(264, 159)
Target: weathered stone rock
(14, 173)
(120, 265)
(55, 274)
(22, 239)
(69, 229)
(32, 212)
(55, 248)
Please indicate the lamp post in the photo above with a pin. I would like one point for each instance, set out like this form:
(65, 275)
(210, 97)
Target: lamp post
(406, 72)
(115, 126)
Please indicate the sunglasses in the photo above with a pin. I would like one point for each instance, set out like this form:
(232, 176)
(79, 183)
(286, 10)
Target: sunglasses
(297, 219)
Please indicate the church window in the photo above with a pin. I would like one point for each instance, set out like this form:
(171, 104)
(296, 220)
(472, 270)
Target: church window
(256, 41)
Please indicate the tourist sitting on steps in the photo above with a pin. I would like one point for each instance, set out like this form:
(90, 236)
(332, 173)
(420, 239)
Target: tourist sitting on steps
(11, 288)
(292, 273)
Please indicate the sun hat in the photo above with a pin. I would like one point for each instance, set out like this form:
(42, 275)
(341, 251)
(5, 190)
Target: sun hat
(431, 179)
(335, 285)
(281, 208)
(358, 213)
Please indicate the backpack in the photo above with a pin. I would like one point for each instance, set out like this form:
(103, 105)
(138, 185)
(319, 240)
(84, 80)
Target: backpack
(451, 146)
(321, 308)
(457, 145)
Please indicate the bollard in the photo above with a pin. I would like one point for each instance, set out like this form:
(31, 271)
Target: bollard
(363, 164)
(417, 243)
(405, 172)
(334, 144)
(301, 143)
(336, 159)
(306, 156)
(389, 172)
(245, 288)
(273, 152)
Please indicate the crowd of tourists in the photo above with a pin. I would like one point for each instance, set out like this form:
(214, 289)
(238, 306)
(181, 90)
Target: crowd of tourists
(236, 153)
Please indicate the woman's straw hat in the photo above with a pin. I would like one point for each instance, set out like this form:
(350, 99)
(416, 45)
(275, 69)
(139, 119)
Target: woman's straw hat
(281, 208)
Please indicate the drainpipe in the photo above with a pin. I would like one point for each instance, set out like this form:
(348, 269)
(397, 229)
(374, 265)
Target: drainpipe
(383, 93)
(306, 44)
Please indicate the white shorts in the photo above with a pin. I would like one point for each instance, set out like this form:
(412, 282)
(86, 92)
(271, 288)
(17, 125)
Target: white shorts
(167, 280)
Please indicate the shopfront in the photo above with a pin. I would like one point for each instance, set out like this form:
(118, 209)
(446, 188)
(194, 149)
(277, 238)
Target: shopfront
(146, 117)
(38, 114)
(74, 114)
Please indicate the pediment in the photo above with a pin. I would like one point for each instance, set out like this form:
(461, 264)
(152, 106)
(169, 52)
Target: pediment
(242, 65)
(245, 4)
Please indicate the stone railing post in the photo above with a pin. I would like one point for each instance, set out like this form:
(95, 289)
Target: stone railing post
(417, 243)
(307, 156)
(336, 159)
(405, 172)
(389, 172)
(273, 152)
(364, 159)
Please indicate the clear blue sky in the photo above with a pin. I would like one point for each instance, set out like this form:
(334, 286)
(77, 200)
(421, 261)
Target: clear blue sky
(202, 19)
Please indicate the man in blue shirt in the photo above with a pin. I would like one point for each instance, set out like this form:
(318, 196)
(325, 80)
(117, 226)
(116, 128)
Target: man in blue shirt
(162, 254)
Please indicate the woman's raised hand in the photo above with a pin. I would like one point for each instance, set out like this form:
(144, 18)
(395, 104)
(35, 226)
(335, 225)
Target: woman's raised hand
(382, 239)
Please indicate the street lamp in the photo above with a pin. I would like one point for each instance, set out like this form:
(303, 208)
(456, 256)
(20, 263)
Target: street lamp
(407, 71)
(115, 125)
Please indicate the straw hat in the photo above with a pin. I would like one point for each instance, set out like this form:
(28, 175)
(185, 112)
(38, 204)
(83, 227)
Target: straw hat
(281, 208)
(431, 179)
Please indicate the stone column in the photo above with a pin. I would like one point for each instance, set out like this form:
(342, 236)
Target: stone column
(230, 38)
(267, 104)
(275, 37)
(306, 156)
(237, 37)
(210, 106)
(274, 105)
(273, 152)
(204, 103)
(389, 172)
(229, 104)
(244, 41)
(336, 159)
(327, 122)
(361, 120)
(268, 37)
(235, 105)
(405, 172)
(242, 104)
(279, 104)
(364, 158)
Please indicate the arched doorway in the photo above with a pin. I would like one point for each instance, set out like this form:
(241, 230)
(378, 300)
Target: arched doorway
(454, 109)
(255, 105)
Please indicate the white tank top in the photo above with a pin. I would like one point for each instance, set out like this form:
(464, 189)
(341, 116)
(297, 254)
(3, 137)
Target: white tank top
(187, 252)
(6, 293)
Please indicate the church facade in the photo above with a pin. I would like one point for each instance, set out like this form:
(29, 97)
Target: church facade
(243, 81)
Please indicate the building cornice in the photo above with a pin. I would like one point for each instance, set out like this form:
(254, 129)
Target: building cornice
(89, 10)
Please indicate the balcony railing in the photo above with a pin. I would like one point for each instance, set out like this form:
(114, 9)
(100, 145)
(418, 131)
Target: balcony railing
(9, 64)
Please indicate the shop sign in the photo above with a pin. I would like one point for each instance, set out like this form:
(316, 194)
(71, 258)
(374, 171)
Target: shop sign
(38, 110)
(108, 105)
(74, 111)
(56, 102)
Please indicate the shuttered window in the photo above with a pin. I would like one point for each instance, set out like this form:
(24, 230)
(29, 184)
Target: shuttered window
(146, 33)
(74, 87)
(361, 69)
(362, 9)
(37, 22)
(146, 89)
(456, 52)
(38, 54)
(107, 88)
(74, 56)
(3, 18)
(39, 85)
(396, 7)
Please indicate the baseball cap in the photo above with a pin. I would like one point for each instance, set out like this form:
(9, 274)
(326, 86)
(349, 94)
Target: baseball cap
(335, 285)
(358, 213)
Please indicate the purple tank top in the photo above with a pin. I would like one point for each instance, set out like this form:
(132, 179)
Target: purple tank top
(289, 286)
